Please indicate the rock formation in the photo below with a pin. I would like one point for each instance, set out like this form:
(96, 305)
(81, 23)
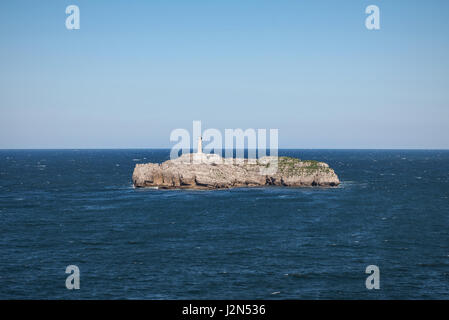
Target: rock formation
(209, 171)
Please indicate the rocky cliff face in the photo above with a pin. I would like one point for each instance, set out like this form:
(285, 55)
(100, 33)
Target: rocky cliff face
(208, 171)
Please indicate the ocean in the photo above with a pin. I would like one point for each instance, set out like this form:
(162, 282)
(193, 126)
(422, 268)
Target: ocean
(78, 207)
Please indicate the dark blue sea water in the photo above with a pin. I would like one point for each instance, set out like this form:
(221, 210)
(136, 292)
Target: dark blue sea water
(63, 207)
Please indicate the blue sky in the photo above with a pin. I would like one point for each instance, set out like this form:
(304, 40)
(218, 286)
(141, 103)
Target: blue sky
(136, 70)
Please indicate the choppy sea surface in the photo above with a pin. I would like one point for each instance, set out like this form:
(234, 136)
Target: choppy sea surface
(78, 207)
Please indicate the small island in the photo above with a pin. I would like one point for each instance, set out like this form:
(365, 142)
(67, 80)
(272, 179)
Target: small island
(210, 171)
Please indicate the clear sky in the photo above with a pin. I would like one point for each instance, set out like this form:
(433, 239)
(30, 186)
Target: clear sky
(136, 70)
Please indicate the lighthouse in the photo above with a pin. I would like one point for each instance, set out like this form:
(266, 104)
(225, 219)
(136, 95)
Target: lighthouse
(200, 145)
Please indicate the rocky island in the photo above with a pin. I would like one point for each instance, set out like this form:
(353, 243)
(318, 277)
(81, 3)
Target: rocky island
(210, 171)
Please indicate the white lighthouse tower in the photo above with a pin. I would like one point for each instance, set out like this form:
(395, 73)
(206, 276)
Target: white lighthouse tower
(200, 157)
(200, 145)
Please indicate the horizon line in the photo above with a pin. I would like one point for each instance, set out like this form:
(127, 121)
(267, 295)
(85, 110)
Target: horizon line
(165, 148)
